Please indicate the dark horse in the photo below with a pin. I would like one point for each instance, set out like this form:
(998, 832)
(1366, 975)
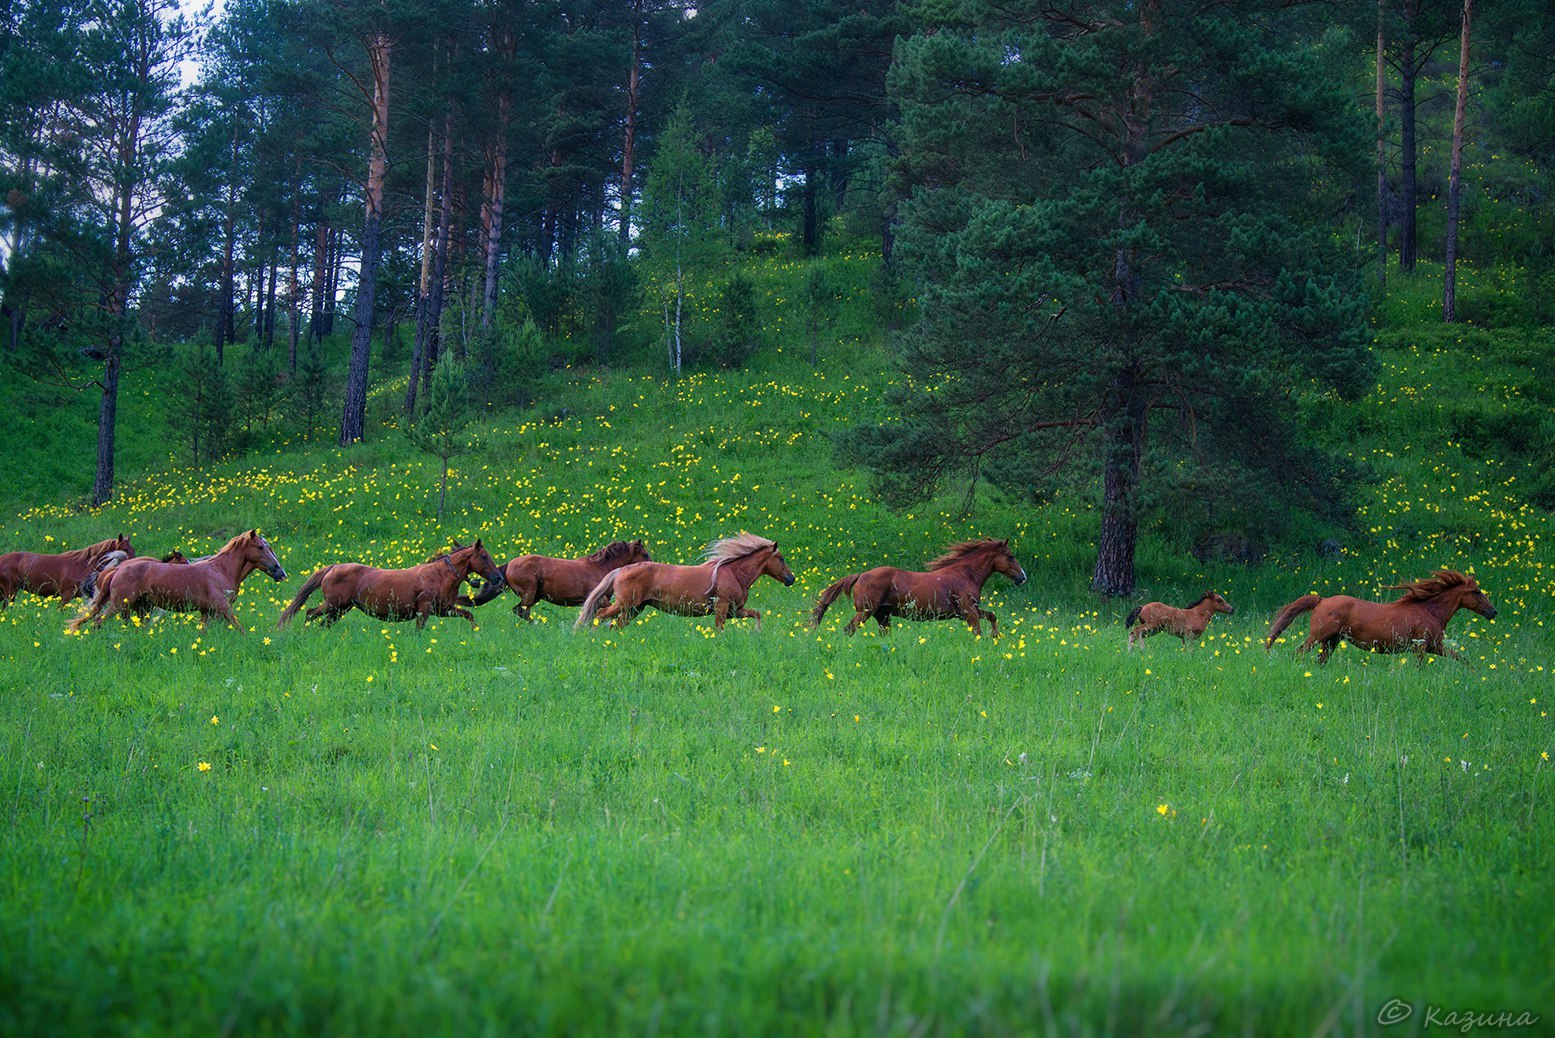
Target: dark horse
(950, 588)
(1417, 621)
(719, 586)
(565, 582)
(430, 589)
(50, 575)
(1155, 617)
(207, 587)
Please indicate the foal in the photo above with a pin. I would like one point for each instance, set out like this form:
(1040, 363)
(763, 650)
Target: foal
(1155, 617)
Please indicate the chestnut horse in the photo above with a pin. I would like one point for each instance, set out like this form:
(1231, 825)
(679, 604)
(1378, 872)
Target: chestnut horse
(50, 575)
(951, 588)
(564, 582)
(430, 589)
(719, 586)
(1417, 621)
(109, 562)
(1155, 617)
(207, 587)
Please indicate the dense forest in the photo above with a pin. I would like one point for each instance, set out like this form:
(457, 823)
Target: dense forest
(1122, 245)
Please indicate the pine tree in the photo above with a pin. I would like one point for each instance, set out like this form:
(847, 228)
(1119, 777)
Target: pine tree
(439, 431)
(1118, 214)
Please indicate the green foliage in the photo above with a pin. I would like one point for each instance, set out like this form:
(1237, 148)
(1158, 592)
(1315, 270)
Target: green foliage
(445, 413)
(200, 406)
(737, 324)
(260, 389)
(312, 390)
(1096, 273)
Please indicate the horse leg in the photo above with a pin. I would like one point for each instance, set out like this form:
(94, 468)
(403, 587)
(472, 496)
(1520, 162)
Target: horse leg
(858, 618)
(993, 623)
(973, 617)
(1329, 645)
(224, 610)
(747, 614)
(457, 611)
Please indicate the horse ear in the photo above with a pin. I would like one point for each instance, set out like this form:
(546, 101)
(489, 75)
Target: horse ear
(254, 532)
(477, 542)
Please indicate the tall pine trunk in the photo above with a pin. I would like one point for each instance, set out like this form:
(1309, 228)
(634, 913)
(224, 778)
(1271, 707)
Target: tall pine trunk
(1407, 175)
(353, 422)
(225, 322)
(1382, 156)
(1455, 180)
(293, 307)
(494, 211)
(320, 258)
(424, 282)
(439, 288)
(629, 145)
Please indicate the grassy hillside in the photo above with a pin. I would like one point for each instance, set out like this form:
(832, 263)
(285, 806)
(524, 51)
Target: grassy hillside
(375, 830)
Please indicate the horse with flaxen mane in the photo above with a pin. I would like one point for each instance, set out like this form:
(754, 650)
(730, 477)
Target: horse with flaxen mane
(720, 586)
(564, 582)
(1417, 621)
(49, 575)
(206, 587)
(952, 587)
(430, 589)
(1155, 617)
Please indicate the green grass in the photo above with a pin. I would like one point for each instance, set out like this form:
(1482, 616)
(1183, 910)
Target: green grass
(517, 828)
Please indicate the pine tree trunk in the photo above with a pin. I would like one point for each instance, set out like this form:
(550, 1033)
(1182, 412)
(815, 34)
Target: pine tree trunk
(440, 255)
(498, 194)
(1124, 446)
(320, 257)
(269, 332)
(293, 309)
(107, 421)
(1382, 158)
(1407, 165)
(810, 228)
(353, 421)
(424, 283)
(1455, 179)
(629, 145)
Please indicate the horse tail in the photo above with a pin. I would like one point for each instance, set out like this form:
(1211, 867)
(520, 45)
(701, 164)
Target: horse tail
(843, 586)
(1289, 613)
(1133, 616)
(313, 584)
(603, 590)
(94, 605)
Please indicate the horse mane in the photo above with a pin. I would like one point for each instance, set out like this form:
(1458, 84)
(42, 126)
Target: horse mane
(1426, 588)
(610, 552)
(963, 549)
(1202, 599)
(736, 547)
(82, 554)
(445, 554)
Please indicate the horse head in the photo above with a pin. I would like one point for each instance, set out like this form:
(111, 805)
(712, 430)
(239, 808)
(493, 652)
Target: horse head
(259, 552)
(778, 569)
(476, 559)
(638, 553)
(1218, 604)
(1474, 599)
(122, 543)
(1004, 562)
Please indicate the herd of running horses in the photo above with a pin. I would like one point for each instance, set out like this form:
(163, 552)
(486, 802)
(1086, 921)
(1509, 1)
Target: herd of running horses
(619, 580)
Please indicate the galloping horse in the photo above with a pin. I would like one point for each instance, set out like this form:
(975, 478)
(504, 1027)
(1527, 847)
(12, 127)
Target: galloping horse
(1417, 621)
(207, 587)
(565, 582)
(719, 586)
(430, 589)
(109, 562)
(951, 588)
(49, 575)
(1155, 617)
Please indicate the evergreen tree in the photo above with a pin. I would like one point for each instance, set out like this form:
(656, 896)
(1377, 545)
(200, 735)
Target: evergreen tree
(681, 237)
(311, 390)
(1118, 213)
(439, 431)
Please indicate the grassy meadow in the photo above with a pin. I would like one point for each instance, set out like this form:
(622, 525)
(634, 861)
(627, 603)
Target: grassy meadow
(515, 828)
